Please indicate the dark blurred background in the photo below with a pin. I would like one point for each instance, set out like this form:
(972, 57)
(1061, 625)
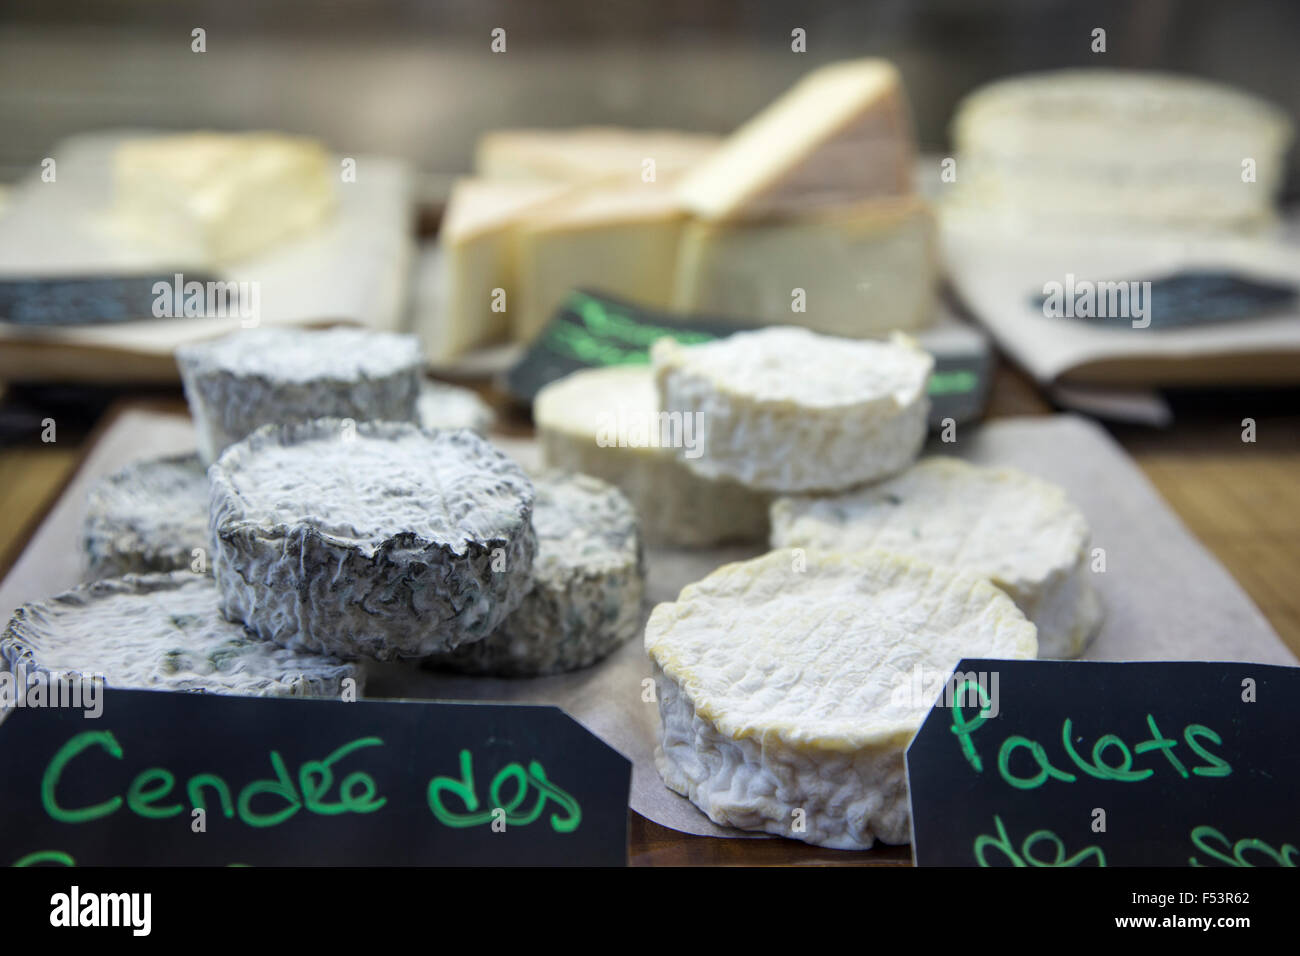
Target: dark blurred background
(417, 79)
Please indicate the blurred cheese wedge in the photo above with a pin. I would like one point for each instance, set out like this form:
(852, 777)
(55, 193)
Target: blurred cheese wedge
(590, 153)
(220, 197)
(862, 269)
(477, 241)
(842, 133)
(618, 239)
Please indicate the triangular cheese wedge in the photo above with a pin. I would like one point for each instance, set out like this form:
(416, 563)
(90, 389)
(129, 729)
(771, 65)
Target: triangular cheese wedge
(843, 133)
(858, 270)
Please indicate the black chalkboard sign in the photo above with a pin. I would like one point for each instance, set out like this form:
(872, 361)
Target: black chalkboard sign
(1074, 763)
(307, 782)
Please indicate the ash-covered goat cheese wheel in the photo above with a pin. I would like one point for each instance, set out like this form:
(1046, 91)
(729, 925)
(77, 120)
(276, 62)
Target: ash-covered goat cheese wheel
(150, 516)
(161, 632)
(786, 686)
(588, 585)
(370, 539)
(266, 376)
(606, 422)
(450, 406)
(787, 410)
(1019, 531)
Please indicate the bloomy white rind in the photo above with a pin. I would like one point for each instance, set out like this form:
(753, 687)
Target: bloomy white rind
(256, 377)
(779, 685)
(149, 516)
(589, 584)
(860, 796)
(1068, 614)
(450, 406)
(1019, 531)
(406, 592)
(140, 631)
(846, 412)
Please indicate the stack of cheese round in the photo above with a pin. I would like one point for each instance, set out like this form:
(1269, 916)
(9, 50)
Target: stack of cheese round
(338, 537)
(702, 439)
(582, 598)
(386, 541)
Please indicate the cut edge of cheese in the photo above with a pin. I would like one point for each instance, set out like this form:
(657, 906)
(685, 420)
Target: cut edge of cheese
(843, 130)
(853, 306)
(622, 240)
(477, 239)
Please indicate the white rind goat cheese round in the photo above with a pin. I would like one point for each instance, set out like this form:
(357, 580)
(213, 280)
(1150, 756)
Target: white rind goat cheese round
(786, 410)
(268, 376)
(370, 539)
(1100, 151)
(784, 686)
(450, 406)
(606, 422)
(589, 584)
(1019, 531)
(161, 632)
(150, 516)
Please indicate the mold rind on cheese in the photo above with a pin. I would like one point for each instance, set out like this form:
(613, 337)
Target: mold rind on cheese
(588, 585)
(370, 539)
(257, 377)
(162, 632)
(149, 516)
(784, 685)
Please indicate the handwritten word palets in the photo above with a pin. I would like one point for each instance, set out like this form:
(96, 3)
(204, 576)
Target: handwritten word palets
(1110, 764)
